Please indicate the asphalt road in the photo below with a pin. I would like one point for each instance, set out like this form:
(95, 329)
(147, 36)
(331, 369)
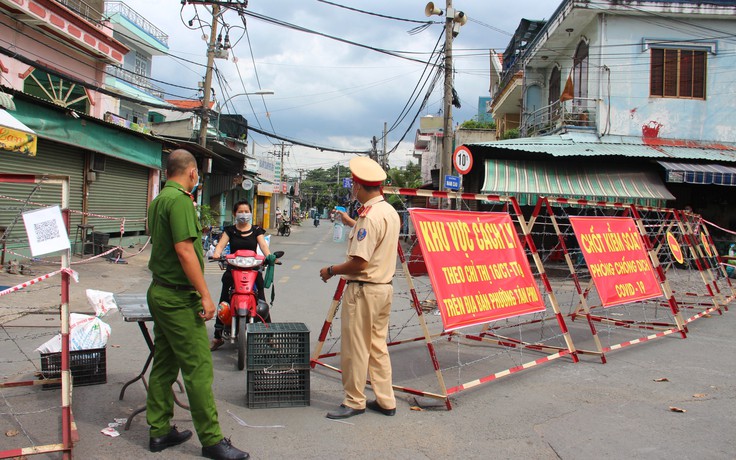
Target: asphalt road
(557, 410)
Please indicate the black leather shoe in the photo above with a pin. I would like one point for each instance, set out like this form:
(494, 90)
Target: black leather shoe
(174, 438)
(374, 406)
(224, 450)
(344, 412)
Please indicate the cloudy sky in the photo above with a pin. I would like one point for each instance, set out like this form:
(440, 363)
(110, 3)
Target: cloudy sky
(327, 92)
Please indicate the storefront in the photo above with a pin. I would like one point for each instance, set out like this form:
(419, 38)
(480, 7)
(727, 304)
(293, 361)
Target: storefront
(110, 168)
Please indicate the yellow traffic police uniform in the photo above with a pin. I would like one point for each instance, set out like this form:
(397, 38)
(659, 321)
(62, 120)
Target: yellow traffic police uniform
(366, 305)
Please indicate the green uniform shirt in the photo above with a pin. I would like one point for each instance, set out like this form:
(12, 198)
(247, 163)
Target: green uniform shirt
(172, 218)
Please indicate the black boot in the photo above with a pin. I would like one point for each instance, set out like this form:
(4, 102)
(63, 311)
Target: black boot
(174, 438)
(224, 450)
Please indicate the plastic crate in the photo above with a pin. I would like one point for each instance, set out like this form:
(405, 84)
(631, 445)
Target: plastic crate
(268, 388)
(284, 345)
(89, 367)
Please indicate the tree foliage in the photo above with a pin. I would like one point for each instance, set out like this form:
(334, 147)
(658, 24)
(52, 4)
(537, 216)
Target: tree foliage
(510, 134)
(323, 188)
(475, 124)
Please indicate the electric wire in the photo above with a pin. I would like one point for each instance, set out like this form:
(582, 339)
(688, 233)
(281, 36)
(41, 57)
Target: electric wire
(397, 54)
(81, 62)
(415, 92)
(378, 14)
(84, 84)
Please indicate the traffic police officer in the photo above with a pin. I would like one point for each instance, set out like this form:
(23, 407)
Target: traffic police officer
(366, 302)
(180, 303)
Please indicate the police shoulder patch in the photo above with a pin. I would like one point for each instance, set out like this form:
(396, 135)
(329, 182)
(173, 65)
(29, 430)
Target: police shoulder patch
(361, 234)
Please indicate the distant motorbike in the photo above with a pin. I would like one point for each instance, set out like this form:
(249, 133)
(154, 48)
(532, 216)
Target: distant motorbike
(316, 221)
(284, 228)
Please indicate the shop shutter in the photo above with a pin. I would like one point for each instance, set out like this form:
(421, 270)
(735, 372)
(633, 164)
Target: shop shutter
(120, 191)
(52, 158)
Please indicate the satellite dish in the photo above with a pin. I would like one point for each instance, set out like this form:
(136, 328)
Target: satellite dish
(247, 184)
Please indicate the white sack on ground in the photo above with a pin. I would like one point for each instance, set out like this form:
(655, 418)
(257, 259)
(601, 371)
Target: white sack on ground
(85, 333)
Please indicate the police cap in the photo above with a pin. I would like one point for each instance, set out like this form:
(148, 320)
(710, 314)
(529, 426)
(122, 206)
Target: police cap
(366, 171)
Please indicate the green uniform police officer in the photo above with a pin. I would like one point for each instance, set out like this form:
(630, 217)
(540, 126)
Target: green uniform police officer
(180, 303)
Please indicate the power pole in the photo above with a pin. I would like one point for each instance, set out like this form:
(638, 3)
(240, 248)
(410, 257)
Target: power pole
(374, 153)
(385, 153)
(205, 117)
(446, 158)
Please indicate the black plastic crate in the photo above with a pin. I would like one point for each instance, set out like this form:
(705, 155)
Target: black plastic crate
(277, 388)
(89, 367)
(283, 345)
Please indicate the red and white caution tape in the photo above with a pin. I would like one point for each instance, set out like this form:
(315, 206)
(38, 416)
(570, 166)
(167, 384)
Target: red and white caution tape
(74, 211)
(20, 286)
(719, 228)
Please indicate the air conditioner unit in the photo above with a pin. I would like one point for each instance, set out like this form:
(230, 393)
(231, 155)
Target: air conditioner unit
(97, 162)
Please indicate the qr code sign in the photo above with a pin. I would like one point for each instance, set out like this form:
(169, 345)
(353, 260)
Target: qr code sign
(46, 230)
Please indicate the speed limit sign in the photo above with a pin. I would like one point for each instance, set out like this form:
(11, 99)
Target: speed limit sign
(462, 160)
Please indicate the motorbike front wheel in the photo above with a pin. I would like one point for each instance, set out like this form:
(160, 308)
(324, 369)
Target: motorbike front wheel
(241, 343)
(287, 231)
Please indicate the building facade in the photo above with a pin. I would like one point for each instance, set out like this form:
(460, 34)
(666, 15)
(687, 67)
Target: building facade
(56, 73)
(635, 91)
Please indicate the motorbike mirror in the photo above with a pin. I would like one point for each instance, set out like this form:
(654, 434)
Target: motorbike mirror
(279, 254)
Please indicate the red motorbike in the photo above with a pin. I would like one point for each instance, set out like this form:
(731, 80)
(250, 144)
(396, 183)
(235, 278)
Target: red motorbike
(245, 306)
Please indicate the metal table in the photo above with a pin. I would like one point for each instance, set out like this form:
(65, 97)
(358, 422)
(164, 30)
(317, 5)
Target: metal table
(134, 308)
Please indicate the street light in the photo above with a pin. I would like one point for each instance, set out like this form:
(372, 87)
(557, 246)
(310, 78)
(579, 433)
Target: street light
(262, 92)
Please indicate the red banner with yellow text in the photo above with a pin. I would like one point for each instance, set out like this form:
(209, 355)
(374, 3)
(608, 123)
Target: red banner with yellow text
(477, 267)
(616, 258)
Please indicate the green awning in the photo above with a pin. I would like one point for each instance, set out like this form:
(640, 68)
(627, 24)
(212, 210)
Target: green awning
(130, 90)
(527, 180)
(97, 136)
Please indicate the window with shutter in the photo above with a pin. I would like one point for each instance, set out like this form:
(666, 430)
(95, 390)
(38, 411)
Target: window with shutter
(677, 73)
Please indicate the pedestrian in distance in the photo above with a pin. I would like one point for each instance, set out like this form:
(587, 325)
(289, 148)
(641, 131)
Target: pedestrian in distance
(366, 302)
(242, 235)
(180, 303)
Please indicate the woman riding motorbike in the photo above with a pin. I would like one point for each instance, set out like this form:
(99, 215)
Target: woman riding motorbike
(242, 235)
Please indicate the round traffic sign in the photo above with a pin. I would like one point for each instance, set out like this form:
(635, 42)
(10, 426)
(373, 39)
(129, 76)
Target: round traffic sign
(462, 159)
(675, 248)
(704, 240)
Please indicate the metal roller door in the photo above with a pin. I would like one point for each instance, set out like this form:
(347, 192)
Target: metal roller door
(121, 190)
(51, 158)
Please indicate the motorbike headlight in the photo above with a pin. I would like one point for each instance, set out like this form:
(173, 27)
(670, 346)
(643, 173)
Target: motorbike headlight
(244, 262)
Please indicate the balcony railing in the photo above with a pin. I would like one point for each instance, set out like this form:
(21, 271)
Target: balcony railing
(83, 9)
(129, 13)
(507, 75)
(139, 81)
(578, 113)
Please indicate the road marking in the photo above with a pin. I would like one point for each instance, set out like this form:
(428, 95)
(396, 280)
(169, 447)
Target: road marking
(283, 279)
(305, 258)
(296, 267)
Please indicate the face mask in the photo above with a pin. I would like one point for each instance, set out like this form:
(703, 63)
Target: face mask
(196, 184)
(244, 217)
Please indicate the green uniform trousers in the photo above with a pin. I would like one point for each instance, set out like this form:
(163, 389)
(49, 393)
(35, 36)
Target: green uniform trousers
(180, 339)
